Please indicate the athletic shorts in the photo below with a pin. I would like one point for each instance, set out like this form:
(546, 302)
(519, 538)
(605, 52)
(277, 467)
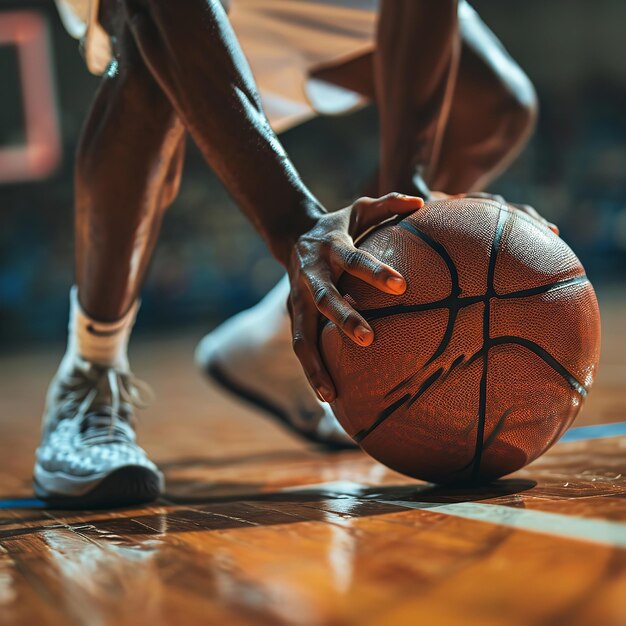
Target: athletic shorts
(283, 40)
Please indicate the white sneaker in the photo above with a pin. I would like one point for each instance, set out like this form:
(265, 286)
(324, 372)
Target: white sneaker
(251, 356)
(88, 455)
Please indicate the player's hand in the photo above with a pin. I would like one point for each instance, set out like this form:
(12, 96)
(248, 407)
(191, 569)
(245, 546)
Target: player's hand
(524, 208)
(318, 259)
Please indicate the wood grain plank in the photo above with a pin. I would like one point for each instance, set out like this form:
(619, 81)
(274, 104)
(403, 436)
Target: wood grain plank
(257, 528)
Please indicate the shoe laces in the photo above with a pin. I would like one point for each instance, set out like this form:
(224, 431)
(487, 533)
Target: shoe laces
(102, 399)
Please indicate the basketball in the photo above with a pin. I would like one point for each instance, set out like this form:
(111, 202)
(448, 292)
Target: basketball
(485, 360)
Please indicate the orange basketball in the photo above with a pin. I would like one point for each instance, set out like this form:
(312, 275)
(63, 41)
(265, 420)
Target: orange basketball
(485, 360)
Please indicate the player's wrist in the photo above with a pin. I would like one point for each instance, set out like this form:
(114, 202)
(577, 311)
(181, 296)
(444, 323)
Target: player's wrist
(283, 236)
(409, 182)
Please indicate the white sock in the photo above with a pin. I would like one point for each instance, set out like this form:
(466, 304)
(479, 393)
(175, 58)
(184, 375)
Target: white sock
(102, 343)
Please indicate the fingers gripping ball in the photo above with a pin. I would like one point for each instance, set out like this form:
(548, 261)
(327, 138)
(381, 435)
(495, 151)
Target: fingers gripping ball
(318, 259)
(484, 361)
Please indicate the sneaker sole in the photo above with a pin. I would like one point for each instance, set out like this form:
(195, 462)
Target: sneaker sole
(218, 375)
(125, 486)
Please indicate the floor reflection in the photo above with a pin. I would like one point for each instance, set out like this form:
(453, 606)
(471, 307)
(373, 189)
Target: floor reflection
(243, 506)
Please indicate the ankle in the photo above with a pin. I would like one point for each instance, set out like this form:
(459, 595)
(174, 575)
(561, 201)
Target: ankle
(100, 343)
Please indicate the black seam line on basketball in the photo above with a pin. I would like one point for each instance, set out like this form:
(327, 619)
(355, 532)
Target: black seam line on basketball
(387, 412)
(399, 309)
(459, 359)
(534, 291)
(452, 367)
(542, 353)
(465, 301)
(409, 378)
(455, 289)
(425, 385)
(407, 398)
(447, 335)
(402, 383)
(497, 428)
(440, 250)
(482, 394)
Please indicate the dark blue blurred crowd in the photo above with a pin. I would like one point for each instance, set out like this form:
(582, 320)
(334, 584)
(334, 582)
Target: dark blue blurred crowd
(210, 263)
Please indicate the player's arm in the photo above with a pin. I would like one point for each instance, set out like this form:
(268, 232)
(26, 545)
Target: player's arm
(416, 62)
(193, 51)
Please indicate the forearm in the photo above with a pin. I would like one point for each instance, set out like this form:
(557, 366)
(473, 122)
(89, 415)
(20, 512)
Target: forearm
(243, 150)
(196, 58)
(415, 66)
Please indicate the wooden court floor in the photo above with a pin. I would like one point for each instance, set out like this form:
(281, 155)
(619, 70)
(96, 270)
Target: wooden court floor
(259, 529)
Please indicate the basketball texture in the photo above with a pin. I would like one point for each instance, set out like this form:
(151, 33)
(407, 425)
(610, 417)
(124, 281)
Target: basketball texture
(485, 360)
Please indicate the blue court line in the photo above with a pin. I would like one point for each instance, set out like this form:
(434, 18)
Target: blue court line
(598, 431)
(22, 503)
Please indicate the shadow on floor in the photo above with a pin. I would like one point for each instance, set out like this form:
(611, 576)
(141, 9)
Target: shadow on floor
(245, 506)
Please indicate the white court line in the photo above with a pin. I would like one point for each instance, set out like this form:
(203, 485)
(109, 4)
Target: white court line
(564, 526)
(587, 529)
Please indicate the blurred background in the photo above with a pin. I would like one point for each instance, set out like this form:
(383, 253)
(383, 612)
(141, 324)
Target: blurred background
(209, 262)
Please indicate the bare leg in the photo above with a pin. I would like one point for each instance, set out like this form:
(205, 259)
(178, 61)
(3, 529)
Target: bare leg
(127, 172)
(415, 68)
(491, 114)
